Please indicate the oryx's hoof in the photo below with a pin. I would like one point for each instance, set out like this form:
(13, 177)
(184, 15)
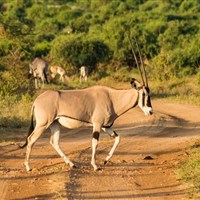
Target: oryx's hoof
(73, 167)
(97, 169)
(105, 162)
(28, 170)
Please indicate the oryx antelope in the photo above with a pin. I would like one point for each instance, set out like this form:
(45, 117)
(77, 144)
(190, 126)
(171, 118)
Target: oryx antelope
(96, 106)
(39, 69)
(59, 70)
(83, 73)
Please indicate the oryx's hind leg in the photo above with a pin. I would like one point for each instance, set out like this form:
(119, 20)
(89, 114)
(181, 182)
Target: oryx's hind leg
(31, 140)
(117, 139)
(54, 141)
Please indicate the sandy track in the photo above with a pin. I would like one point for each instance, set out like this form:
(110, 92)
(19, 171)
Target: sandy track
(141, 168)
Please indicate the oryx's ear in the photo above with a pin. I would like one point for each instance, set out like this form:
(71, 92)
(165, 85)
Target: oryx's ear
(135, 84)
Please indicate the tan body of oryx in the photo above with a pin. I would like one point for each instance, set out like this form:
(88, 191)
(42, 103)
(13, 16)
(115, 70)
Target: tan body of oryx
(59, 70)
(97, 106)
(39, 68)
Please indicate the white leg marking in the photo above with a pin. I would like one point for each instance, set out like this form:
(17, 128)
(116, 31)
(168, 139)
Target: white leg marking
(54, 141)
(96, 132)
(116, 142)
(94, 147)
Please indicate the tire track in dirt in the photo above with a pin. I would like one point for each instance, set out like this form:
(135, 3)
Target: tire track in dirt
(3, 189)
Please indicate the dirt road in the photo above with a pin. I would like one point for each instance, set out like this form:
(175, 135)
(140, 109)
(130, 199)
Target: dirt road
(143, 166)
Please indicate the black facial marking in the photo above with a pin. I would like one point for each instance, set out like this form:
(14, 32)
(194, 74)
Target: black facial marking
(148, 90)
(143, 99)
(148, 101)
(96, 135)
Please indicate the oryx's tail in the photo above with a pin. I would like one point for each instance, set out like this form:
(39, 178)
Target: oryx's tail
(45, 76)
(31, 128)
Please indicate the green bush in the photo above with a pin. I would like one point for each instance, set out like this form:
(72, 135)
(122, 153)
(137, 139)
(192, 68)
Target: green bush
(5, 47)
(41, 49)
(79, 51)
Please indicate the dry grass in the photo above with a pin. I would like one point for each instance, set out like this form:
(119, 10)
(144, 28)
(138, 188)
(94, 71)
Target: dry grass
(14, 113)
(189, 171)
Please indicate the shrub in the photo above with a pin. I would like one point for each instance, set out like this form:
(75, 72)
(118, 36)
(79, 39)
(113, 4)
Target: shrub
(41, 49)
(5, 47)
(79, 51)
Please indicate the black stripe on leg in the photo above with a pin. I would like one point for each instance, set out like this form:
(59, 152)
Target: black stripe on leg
(96, 135)
(114, 134)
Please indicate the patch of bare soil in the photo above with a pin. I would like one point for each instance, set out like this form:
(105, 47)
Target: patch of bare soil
(143, 166)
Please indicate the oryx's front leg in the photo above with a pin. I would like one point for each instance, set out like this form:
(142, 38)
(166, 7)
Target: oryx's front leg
(36, 82)
(117, 139)
(54, 141)
(42, 81)
(95, 139)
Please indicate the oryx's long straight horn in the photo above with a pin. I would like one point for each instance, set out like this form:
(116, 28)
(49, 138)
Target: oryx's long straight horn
(138, 66)
(142, 63)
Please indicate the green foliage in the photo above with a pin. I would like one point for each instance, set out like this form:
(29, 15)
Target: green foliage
(5, 47)
(189, 170)
(12, 83)
(79, 51)
(42, 49)
(190, 6)
(158, 25)
(124, 74)
(80, 25)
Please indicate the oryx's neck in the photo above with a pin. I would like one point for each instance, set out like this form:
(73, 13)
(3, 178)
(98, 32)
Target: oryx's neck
(123, 100)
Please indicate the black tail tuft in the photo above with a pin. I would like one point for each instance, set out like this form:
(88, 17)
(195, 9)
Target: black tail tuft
(31, 128)
(45, 75)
